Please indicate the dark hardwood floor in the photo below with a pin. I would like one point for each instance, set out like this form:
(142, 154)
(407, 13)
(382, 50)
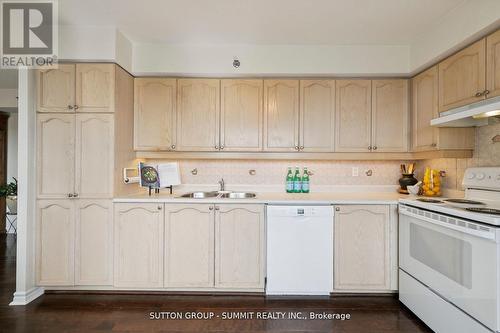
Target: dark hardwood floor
(131, 313)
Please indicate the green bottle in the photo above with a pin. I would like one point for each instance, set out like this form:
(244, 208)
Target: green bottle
(297, 181)
(305, 181)
(289, 181)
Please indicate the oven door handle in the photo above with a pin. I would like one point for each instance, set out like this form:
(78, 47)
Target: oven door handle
(490, 233)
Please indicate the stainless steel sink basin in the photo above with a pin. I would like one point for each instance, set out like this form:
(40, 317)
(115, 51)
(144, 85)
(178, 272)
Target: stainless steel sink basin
(217, 194)
(200, 195)
(238, 195)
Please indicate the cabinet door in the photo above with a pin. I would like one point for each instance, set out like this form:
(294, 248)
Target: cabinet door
(56, 155)
(425, 108)
(154, 114)
(56, 89)
(94, 243)
(390, 115)
(462, 76)
(317, 115)
(281, 115)
(362, 245)
(55, 231)
(95, 87)
(241, 115)
(94, 167)
(138, 245)
(198, 104)
(189, 246)
(239, 246)
(353, 116)
(493, 63)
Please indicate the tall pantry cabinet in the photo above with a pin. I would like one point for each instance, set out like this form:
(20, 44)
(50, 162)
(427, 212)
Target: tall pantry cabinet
(84, 138)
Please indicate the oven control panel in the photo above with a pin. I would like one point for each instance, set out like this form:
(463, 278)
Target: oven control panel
(486, 177)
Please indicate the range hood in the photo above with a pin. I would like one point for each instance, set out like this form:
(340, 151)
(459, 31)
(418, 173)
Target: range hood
(475, 114)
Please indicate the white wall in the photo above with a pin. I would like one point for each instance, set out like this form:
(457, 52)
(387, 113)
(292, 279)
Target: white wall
(269, 59)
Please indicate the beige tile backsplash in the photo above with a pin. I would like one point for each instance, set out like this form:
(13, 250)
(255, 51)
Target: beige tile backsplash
(486, 153)
(236, 172)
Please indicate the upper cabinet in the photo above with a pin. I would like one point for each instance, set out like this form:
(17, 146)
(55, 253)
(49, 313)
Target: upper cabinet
(462, 77)
(353, 116)
(198, 104)
(77, 88)
(493, 64)
(241, 115)
(154, 114)
(390, 115)
(281, 115)
(56, 89)
(95, 88)
(317, 115)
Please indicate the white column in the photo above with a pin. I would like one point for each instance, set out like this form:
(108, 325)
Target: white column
(26, 290)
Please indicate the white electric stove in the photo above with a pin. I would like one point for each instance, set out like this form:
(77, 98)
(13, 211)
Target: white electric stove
(449, 256)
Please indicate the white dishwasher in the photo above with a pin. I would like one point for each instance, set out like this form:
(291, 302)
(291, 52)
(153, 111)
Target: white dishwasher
(299, 250)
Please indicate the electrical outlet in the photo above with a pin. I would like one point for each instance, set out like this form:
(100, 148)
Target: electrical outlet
(355, 171)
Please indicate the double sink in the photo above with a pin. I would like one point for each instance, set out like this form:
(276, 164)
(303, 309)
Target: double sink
(219, 195)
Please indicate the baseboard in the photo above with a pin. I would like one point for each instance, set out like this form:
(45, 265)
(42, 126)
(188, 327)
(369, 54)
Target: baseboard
(23, 298)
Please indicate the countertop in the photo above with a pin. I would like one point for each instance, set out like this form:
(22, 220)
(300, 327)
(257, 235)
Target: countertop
(277, 198)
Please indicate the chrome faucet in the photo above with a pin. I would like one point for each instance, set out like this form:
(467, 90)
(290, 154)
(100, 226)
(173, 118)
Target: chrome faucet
(222, 184)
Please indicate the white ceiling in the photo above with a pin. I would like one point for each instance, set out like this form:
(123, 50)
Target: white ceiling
(310, 22)
(8, 78)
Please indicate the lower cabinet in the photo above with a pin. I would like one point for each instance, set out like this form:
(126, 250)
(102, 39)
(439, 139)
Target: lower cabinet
(365, 248)
(74, 242)
(189, 246)
(138, 245)
(239, 246)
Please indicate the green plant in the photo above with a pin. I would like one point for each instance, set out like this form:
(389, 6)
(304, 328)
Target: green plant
(9, 189)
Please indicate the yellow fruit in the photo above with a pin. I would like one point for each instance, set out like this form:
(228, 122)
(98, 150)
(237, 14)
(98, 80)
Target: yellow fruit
(429, 193)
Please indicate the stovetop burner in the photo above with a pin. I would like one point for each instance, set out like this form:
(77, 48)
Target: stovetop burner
(483, 210)
(429, 200)
(464, 201)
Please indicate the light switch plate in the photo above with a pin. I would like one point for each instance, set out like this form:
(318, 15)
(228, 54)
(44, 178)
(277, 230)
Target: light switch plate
(355, 171)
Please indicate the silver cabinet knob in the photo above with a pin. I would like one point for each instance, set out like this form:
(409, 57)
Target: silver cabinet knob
(337, 209)
(486, 92)
(222, 147)
(297, 148)
(479, 94)
(173, 147)
(75, 195)
(369, 147)
(375, 148)
(211, 208)
(301, 147)
(76, 107)
(70, 107)
(434, 145)
(70, 195)
(217, 208)
(216, 147)
(159, 207)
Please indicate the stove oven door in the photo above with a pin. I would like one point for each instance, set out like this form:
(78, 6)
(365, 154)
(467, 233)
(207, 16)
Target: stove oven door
(457, 259)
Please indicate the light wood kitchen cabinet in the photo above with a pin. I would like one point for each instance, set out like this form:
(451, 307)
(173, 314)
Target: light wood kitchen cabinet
(56, 89)
(95, 88)
(138, 245)
(353, 116)
(424, 109)
(189, 246)
(154, 114)
(390, 115)
(56, 155)
(55, 243)
(362, 247)
(241, 115)
(493, 64)
(239, 246)
(281, 115)
(68, 148)
(317, 115)
(198, 106)
(462, 77)
(93, 242)
(94, 155)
